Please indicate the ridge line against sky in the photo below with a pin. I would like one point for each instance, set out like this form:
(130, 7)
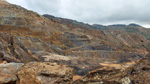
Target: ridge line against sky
(103, 12)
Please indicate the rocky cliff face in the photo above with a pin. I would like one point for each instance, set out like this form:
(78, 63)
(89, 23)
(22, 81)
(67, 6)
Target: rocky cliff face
(24, 32)
(136, 74)
(8, 73)
(35, 73)
(52, 73)
(113, 43)
(26, 36)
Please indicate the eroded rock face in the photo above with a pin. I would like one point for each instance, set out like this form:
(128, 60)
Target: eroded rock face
(139, 73)
(7, 78)
(103, 76)
(8, 72)
(52, 73)
(35, 73)
(45, 73)
(24, 34)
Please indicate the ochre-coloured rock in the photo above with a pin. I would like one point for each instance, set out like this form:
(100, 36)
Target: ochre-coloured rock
(26, 36)
(7, 78)
(8, 73)
(45, 73)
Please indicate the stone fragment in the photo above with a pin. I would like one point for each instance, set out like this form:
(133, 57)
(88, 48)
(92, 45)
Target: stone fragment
(45, 73)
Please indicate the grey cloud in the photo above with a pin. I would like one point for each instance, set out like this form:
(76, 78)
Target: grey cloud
(94, 11)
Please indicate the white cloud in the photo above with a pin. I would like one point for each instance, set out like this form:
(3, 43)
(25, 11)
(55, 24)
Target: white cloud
(93, 11)
(18, 2)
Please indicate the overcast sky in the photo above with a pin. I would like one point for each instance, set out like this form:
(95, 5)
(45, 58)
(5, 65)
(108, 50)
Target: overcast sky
(93, 11)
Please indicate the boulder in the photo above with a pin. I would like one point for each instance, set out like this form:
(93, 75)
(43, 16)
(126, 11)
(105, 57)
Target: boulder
(45, 73)
(8, 72)
(7, 78)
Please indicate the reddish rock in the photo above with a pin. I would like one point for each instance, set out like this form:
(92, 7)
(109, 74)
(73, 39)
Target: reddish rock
(45, 73)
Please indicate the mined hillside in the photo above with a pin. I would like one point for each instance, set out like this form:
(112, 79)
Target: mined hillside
(113, 43)
(27, 36)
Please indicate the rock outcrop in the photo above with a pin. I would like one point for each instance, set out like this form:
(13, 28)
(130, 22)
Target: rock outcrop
(35, 73)
(45, 73)
(138, 73)
(26, 36)
(103, 76)
(52, 73)
(8, 72)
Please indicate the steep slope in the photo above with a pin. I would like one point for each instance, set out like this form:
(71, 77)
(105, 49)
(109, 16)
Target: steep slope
(109, 38)
(113, 44)
(27, 36)
(27, 30)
